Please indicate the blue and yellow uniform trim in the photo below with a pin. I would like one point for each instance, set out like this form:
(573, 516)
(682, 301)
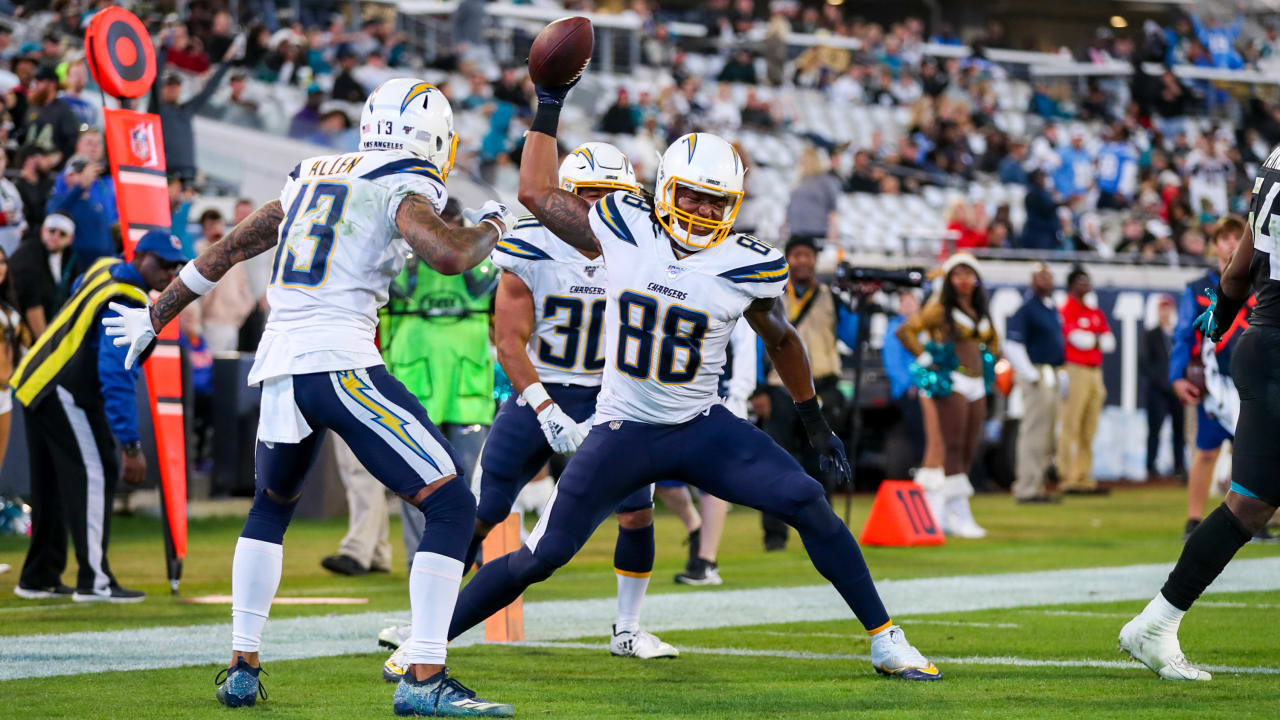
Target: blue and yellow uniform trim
(608, 211)
(357, 389)
(765, 272)
(411, 166)
(516, 247)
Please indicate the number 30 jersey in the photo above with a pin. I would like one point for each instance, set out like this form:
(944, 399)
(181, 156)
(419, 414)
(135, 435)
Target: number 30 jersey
(669, 319)
(339, 249)
(569, 292)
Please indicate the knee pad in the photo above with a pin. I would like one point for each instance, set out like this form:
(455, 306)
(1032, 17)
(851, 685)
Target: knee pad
(525, 565)
(268, 518)
(449, 520)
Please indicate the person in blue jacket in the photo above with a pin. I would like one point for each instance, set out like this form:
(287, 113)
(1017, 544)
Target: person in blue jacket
(86, 192)
(897, 365)
(78, 404)
(1215, 397)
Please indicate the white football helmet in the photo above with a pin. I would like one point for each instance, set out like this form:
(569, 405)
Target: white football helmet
(707, 164)
(413, 115)
(595, 165)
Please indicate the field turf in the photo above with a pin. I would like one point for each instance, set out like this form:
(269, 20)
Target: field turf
(1025, 662)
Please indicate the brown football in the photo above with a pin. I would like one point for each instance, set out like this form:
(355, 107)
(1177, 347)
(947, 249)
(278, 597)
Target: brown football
(561, 52)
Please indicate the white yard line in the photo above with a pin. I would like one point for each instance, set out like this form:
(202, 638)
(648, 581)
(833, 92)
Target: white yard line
(943, 660)
(328, 635)
(955, 623)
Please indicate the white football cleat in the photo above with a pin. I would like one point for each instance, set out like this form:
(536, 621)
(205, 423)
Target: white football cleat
(396, 666)
(965, 528)
(892, 655)
(640, 644)
(394, 636)
(1158, 650)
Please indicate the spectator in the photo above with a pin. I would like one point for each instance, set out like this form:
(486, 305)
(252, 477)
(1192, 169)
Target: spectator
(336, 131)
(86, 192)
(284, 63)
(176, 117)
(1074, 175)
(1220, 40)
(1088, 337)
(74, 377)
(184, 52)
(13, 220)
(225, 308)
(240, 108)
(345, 85)
(34, 185)
(50, 123)
(724, 115)
(1040, 231)
(1117, 170)
(44, 271)
(180, 215)
(1010, 169)
(619, 118)
(906, 396)
(739, 69)
(306, 122)
(1162, 402)
(15, 337)
(967, 224)
(821, 320)
(221, 35)
(861, 179)
(87, 109)
(814, 205)
(1034, 346)
(510, 88)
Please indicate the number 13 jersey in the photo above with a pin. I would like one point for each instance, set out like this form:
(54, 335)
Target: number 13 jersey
(339, 249)
(669, 320)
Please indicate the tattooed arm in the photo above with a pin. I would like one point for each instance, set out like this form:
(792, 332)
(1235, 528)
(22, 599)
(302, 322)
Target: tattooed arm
(562, 212)
(255, 235)
(448, 249)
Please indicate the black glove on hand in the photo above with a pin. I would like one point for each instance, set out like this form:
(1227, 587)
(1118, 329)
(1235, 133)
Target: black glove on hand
(832, 461)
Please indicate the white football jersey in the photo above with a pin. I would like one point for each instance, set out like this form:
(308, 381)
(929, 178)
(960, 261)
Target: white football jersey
(339, 250)
(569, 298)
(669, 320)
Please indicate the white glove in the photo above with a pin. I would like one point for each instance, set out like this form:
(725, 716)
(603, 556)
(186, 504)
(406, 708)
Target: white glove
(737, 405)
(924, 360)
(492, 212)
(131, 327)
(563, 434)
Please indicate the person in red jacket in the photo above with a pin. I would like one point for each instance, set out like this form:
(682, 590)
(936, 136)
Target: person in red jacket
(1088, 337)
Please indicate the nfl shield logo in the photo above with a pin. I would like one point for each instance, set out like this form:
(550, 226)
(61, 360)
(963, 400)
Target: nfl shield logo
(590, 270)
(140, 142)
(674, 270)
(615, 424)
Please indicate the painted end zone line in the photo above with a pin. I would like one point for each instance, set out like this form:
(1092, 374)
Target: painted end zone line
(943, 660)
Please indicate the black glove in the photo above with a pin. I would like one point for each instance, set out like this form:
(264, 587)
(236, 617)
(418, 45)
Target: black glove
(555, 95)
(832, 460)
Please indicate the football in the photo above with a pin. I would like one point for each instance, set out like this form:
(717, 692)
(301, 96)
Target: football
(561, 52)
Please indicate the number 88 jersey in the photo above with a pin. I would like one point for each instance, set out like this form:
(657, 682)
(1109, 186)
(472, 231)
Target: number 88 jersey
(669, 319)
(569, 293)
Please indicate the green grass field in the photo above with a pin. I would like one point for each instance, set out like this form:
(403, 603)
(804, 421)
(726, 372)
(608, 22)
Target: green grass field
(1018, 662)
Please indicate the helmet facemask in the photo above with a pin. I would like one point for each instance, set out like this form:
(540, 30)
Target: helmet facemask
(691, 231)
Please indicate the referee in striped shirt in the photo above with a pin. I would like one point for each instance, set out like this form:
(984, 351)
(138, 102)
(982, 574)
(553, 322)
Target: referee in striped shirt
(78, 402)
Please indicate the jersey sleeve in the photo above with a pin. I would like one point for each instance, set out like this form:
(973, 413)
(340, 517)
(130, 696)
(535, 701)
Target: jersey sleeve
(518, 250)
(759, 271)
(405, 176)
(614, 217)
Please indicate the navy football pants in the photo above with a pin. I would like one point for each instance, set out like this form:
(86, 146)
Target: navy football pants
(716, 452)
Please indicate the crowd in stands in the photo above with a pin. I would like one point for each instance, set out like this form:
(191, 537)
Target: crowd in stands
(1144, 164)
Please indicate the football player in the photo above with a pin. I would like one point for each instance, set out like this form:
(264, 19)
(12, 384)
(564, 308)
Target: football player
(549, 332)
(1152, 636)
(342, 228)
(678, 281)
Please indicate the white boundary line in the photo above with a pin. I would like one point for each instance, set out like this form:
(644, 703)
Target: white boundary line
(348, 633)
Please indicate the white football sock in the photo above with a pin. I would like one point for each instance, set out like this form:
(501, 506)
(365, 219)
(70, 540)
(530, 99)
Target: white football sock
(255, 577)
(433, 591)
(1163, 614)
(630, 597)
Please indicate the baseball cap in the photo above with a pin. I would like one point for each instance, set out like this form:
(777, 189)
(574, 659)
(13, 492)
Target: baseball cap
(47, 72)
(166, 246)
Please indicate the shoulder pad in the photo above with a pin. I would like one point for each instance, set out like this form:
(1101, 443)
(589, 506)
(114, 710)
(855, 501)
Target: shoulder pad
(617, 210)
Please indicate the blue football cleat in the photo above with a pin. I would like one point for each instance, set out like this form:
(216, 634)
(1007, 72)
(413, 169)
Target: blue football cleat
(238, 686)
(442, 696)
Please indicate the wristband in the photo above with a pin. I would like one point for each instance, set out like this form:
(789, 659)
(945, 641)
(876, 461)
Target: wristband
(546, 119)
(810, 413)
(535, 395)
(500, 227)
(194, 281)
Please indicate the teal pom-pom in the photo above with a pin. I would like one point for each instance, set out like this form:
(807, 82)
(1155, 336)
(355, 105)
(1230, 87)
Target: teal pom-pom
(935, 380)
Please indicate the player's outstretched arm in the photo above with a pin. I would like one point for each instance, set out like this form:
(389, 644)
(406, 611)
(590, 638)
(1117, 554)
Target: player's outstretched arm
(562, 212)
(137, 327)
(448, 249)
(254, 235)
(785, 348)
